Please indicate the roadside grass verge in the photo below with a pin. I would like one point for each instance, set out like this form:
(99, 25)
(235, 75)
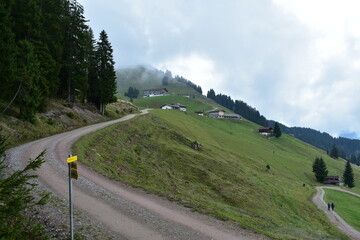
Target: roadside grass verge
(226, 178)
(346, 205)
(59, 116)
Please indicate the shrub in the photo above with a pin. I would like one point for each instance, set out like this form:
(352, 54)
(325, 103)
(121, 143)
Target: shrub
(70, 115)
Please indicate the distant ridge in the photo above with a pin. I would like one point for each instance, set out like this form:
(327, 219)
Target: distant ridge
(349, 148)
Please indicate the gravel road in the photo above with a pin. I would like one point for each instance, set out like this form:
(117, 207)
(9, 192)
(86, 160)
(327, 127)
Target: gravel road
(122, 211)
(335, 219)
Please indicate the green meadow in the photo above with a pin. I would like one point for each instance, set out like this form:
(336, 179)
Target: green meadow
(226, 178)
(346, 205)
(199, 103)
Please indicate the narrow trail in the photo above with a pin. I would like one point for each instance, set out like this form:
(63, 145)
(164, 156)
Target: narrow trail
(129, 213)
(335, 219)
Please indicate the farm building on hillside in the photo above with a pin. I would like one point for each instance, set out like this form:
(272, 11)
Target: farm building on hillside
(216, 114)
(232, 116)
(332, 180)
(265, 131)
(166, 107)
(175, 106)
(222, 114)
(155, 92)
(200, 113)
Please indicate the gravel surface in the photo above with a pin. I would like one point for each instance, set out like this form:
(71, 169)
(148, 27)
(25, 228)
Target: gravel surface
(105, 209)
(335, 219)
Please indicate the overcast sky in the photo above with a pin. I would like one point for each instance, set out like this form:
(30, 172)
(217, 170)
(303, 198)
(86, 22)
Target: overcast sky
(296, 61)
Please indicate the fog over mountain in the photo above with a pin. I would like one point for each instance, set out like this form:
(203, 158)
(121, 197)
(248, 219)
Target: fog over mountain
(296, 61)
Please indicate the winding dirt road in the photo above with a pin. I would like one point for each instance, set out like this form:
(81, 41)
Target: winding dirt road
(335, 219)
(129, 213)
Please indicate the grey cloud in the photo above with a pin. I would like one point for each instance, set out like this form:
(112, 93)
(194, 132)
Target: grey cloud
(267, 57)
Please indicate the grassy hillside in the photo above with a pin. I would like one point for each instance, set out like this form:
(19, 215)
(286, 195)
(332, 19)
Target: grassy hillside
(226, 178)
(147, 78)
(199, 103)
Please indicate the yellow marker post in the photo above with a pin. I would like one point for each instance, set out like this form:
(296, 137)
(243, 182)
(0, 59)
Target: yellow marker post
(72, 174)
(71, 159)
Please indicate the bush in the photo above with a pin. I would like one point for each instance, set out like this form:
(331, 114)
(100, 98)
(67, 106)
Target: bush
(50, 121)
(70, 115)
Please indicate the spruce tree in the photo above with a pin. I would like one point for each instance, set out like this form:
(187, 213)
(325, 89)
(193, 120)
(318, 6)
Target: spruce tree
(211, 94)
(7, 53)
(165, 81)
(106, 72)
(277, 131)
(16, 195)
(334, 152)
(319, 169)
(74, 71)
(28, 78)
(348, 175)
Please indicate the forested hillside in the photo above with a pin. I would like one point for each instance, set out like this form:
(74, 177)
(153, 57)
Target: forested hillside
(47, 50)
(238, 107)
(347, 148)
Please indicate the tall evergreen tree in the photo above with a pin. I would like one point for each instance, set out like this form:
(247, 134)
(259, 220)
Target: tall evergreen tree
(93, 75)
(51, 42)
(74, 72)
(106, 76)
(165, 81)
(319, 169)
(277, 130)
(28, 26)
(334, 152)
(28, 77)
(348, 175)
(7, 53)
(211, 94)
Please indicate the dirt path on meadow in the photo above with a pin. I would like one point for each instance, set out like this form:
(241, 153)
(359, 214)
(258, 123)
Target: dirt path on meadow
(127, 212)
(335, 219)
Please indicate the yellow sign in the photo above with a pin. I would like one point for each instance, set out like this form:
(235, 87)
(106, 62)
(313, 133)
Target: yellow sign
(71, 159)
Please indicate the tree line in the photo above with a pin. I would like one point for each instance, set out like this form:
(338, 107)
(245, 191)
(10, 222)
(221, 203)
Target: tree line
(189, 83)
(47, 50)
(320, 170)
(238, 107)
(336, 147)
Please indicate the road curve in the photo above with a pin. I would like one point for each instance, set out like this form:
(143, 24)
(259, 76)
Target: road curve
(335, 219)
(129, 213)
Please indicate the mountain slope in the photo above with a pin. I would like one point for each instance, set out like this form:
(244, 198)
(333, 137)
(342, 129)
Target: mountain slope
(145, 78)
(349, 148)
(226, 178)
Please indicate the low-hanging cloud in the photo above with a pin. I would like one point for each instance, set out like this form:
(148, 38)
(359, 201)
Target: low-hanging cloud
(295, 61)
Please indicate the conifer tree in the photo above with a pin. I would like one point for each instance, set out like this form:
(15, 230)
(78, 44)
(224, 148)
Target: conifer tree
(165, 81)
(334, 152)
(106, 72)
(7, 53)
(211, 94)
(28, 77)
(319, 169)
(16, 196)
(348, 175)
(277, 131)
(74, 71)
